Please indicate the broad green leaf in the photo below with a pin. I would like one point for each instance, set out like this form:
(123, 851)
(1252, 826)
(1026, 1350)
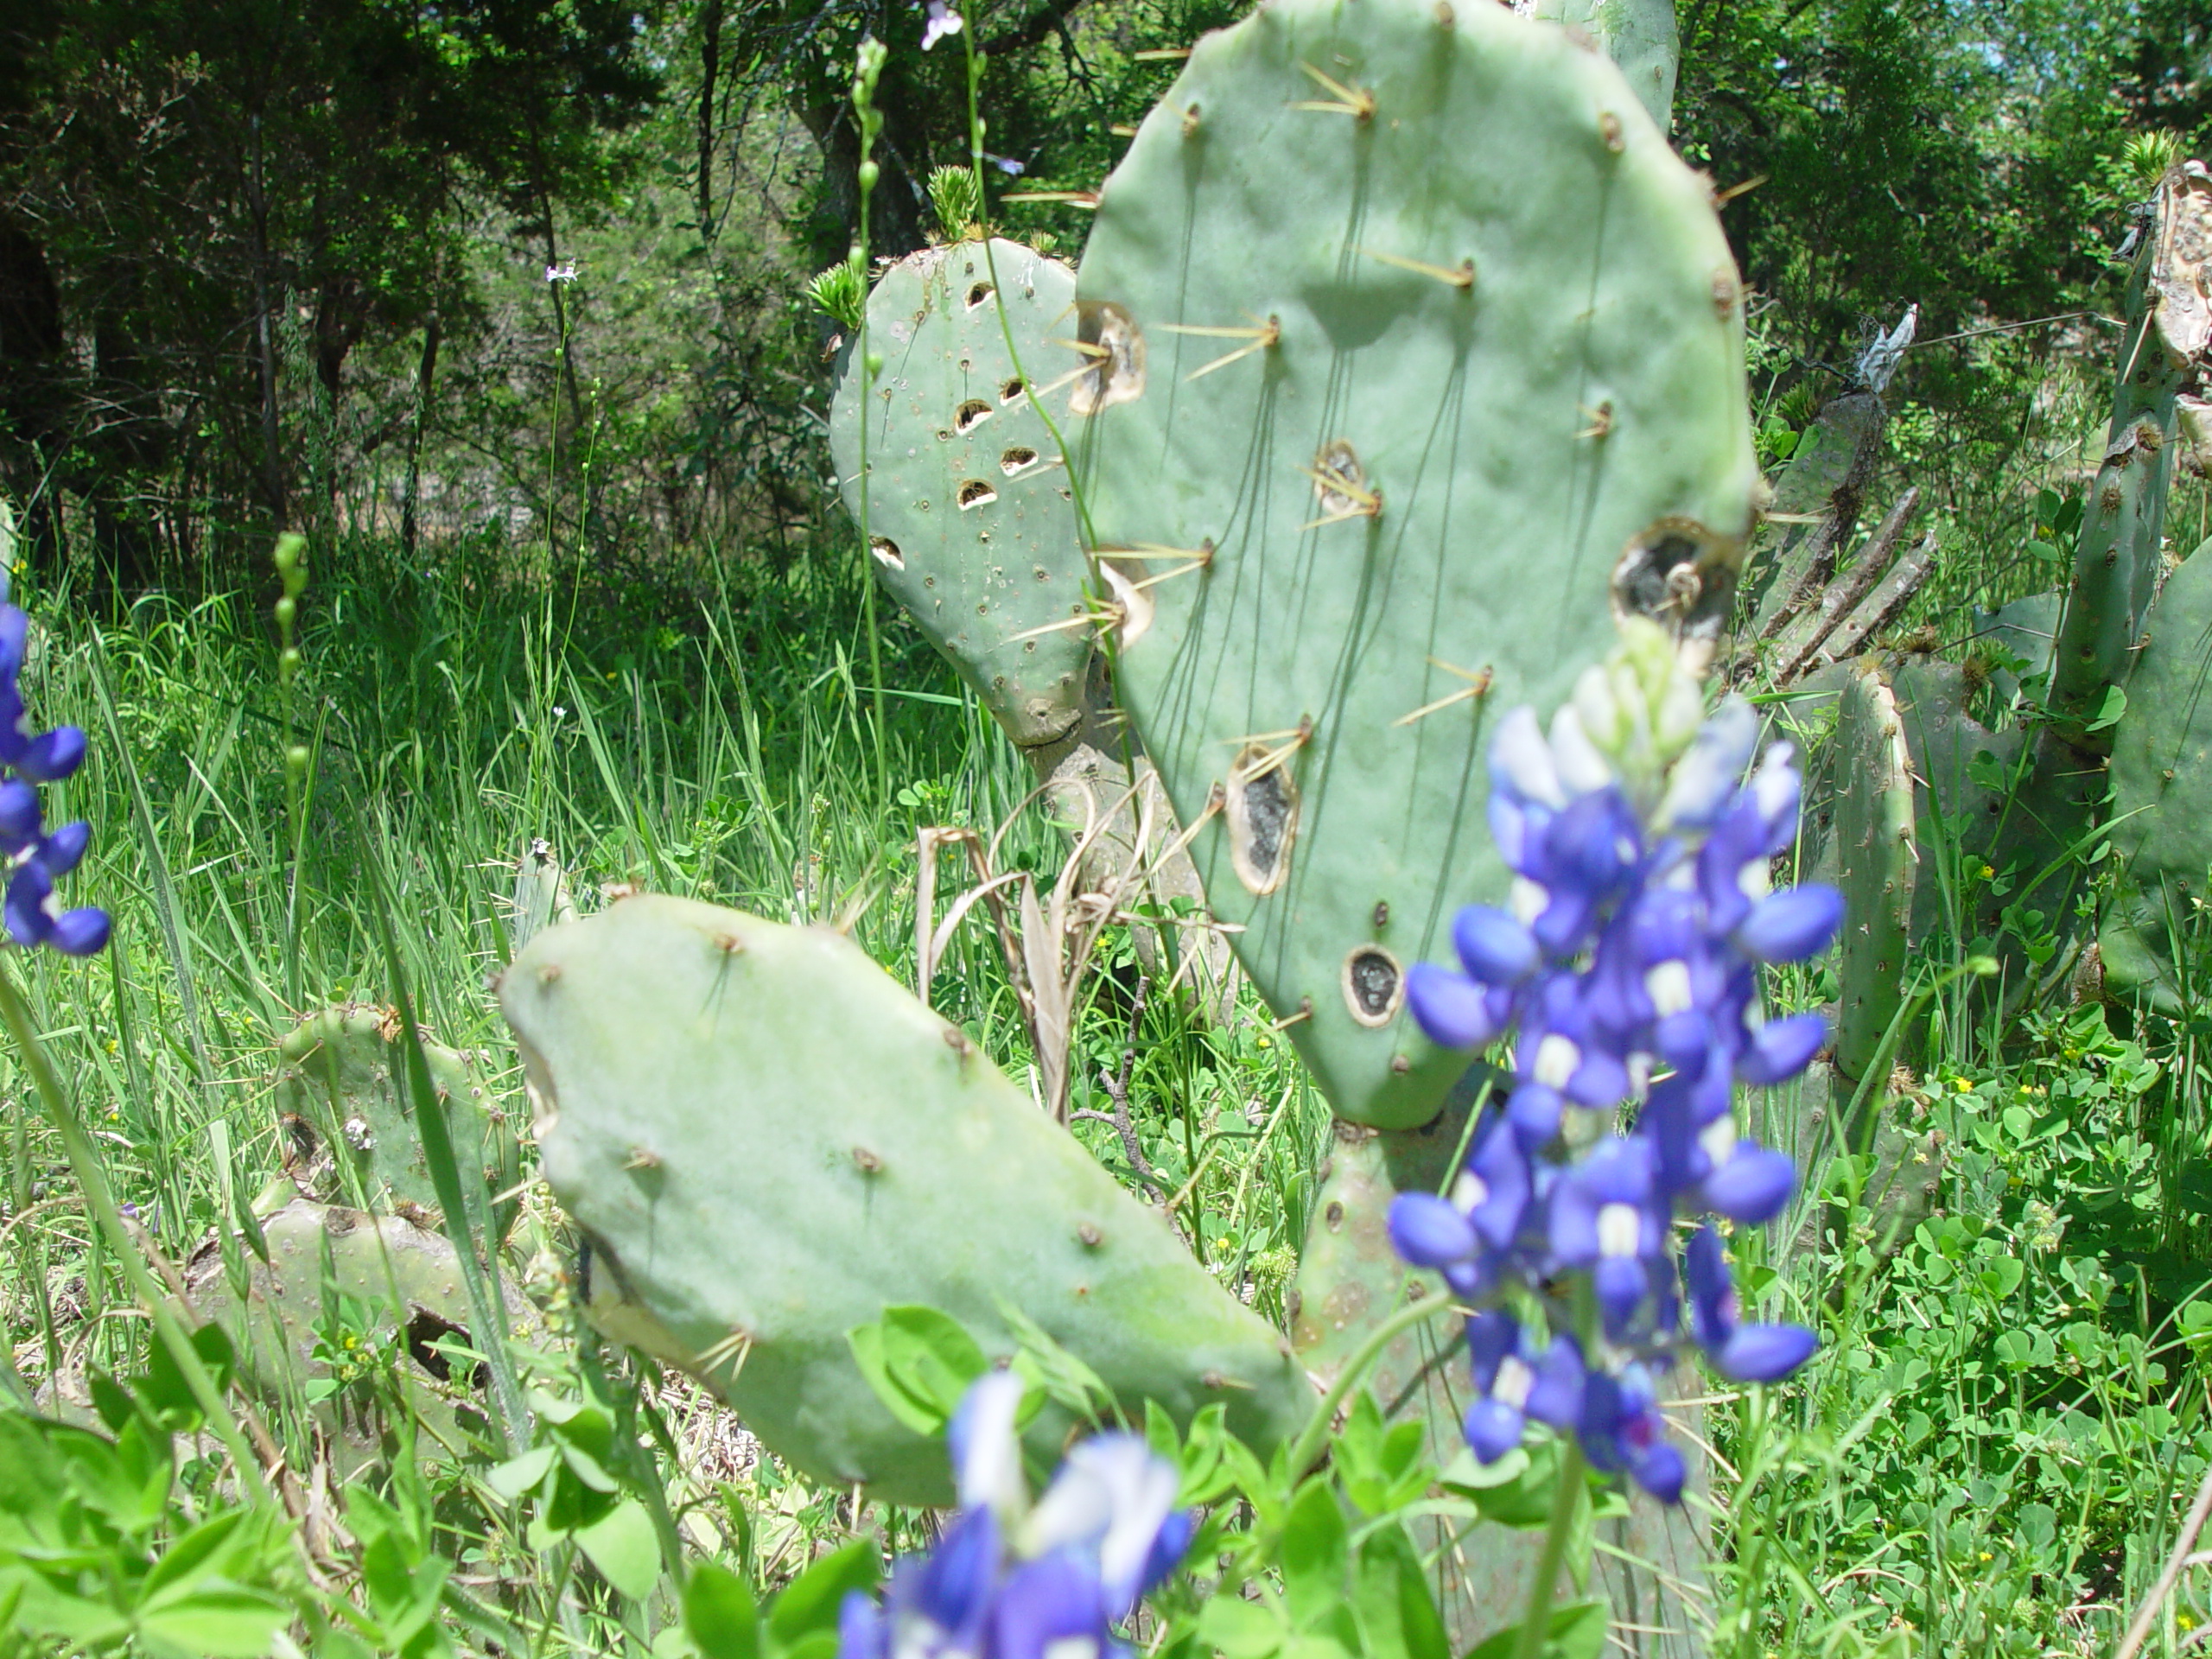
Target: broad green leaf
(1313, 1552)
(520, 1475)
(621, 1545)
(720, 1615)
(809, 1603)
(213, 1622)
(929, 1355)
(1240, 1629)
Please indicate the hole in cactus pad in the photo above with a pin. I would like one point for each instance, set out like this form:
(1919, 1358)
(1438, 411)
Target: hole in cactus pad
(887, 552)
(1260, 803)
(1011, 391)
(978, 293)
(1682, 576)
(425, 1330)
(1373, 984)
(1017, 457)
(974, 493)
(969, 415)
(1116, 373)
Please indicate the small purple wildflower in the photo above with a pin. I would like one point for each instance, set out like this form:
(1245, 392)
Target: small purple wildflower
(942, 21)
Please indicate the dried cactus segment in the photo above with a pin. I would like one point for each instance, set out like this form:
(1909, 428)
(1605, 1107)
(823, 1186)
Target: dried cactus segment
(1875, 867)
(1439, 457)
(747, 1208)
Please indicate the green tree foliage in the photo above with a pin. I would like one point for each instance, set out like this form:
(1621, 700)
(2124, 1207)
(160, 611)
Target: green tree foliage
(184, 184)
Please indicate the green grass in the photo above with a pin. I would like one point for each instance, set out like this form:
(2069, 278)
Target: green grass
(1989, 1456)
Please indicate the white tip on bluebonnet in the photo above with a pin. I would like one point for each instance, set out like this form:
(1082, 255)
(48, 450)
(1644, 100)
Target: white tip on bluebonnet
(1704, 780)
(1519, 755)
(1582, 768)
(1113, 1494)
(986, 1451)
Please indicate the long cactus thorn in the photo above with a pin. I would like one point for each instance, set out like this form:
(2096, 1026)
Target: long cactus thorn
(1341, 486)
(1085, 198)
(1357, 102)
(1461, 276)
(1263, 337)
(1478, 687)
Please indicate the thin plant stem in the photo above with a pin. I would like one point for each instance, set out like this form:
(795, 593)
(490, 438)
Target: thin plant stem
(1536, 1627)
(84, 1163)
(1307, 1446)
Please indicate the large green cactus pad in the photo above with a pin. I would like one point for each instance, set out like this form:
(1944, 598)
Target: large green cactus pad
(2153, 939)
(768, 1142)
(1640, 36)
(1489, 389)
(971, 517)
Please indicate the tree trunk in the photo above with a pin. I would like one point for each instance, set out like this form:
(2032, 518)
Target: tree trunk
(710, 53)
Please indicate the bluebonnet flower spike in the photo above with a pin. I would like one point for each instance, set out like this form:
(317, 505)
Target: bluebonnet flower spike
(1014, 1581)
(1628, 968)
(37, 859)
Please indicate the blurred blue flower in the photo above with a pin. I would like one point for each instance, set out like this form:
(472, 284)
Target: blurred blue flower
(1627, 970)
(1013, 1580)
(36, 857)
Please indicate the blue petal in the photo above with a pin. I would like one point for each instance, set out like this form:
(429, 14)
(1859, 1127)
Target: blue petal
(1753, 1185)
(1491, 1335)
(1781, 1049)
(80, 932)
(52, 756)
(1429, 1232)
(1534, 1111)
(24, 909)
(1792, 925)
(861, 1633)
(20, 820)
(1662, 1472)
(1046, 1602)
(1557, 1396)
(952, 1588)
(1452, 1010)
(1764, 1353)
(1493, 1428)
(1497, 948)
(60, 853)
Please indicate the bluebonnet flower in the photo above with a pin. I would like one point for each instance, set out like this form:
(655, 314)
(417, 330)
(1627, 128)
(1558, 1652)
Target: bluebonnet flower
(1626, 968)
(1011, 1581)
(37, 857)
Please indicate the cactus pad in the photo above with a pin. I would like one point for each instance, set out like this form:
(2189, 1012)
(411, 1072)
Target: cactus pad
(1418, 340)
(1874, 866)
(1640, 36)
(343, 1092)
(970, 518)
(768, 1142)
(382, 1262)
(2162, 827)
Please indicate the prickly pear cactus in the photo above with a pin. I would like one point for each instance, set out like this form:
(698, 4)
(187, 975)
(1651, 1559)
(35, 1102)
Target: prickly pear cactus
(767, 1142)
(385, 1263)
(971, 517)
(349, 1121)
(1640, 36)
(2117, 562)
(1421, 430)
(1875, 863)
(2153, 938)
